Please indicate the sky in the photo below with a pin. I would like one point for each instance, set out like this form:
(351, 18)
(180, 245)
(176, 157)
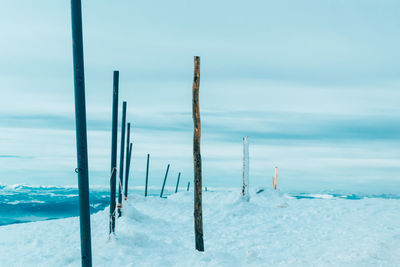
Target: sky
(314, 84)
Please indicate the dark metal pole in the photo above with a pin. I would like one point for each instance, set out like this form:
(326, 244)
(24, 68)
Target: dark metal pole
(187, 189)
(128, 165)
(177, 183)
(114, 139)
(128, 134)
(165, 179)
(121, 159)
(198, 213)
(147, 175)
(81, 133)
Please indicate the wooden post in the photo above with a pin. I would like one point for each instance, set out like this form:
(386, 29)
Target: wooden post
(165, 179)
(147, 175)
(81, 133)
(188, 186)
(177, 182)
(121, 159)
(245, 178)
(114, 136)
(198, 213)
(128, 167)
(275, 180)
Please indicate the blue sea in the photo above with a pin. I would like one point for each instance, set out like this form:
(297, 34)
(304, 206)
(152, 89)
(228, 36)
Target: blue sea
(24, 203)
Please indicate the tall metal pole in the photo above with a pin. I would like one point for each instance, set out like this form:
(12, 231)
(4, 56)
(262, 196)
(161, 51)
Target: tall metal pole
(114, 136)
(128, 134)
(165, 179)
(198, 213)
(81, 133)
(177, 182)
(147, 175)
(121, 159)
(128, 165)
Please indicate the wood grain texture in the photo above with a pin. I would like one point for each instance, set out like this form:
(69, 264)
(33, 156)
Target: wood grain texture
(198, 214)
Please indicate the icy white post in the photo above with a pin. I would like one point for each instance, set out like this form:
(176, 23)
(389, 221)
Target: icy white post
(275, 180)
(245, 189)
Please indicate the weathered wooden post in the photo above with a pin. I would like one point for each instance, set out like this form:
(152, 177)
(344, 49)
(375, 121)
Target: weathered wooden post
(81, 133)
(147, 175)
(177, 182)
(275, 179)
(188, 186)
(128, 167)
(198, 214)
(245, 178)
(114, 136)
(121, 159)
(165, 179)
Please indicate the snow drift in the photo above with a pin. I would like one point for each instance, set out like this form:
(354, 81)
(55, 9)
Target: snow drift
(270, 230)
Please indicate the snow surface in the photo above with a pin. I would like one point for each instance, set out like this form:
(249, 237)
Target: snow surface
(270, 230)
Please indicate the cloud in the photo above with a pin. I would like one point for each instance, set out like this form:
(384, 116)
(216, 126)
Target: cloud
(313, 83)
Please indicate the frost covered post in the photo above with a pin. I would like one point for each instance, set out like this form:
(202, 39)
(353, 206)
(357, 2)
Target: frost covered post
(198, 213)
(121, 159)
(147, 175)
(165, 179)
(245, 188)
(114, 136)
(177, 182)
(128, 147)
(128, 167)
(81, 133)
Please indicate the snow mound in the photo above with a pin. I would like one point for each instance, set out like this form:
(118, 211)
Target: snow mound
(270, 230)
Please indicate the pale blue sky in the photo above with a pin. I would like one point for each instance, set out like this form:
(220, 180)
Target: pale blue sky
(315, 84)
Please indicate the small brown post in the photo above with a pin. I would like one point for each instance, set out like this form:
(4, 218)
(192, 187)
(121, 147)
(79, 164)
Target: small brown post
(275, 179)
(198, 214)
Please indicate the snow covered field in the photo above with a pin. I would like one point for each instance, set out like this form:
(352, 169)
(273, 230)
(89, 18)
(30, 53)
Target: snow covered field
(271, 230)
